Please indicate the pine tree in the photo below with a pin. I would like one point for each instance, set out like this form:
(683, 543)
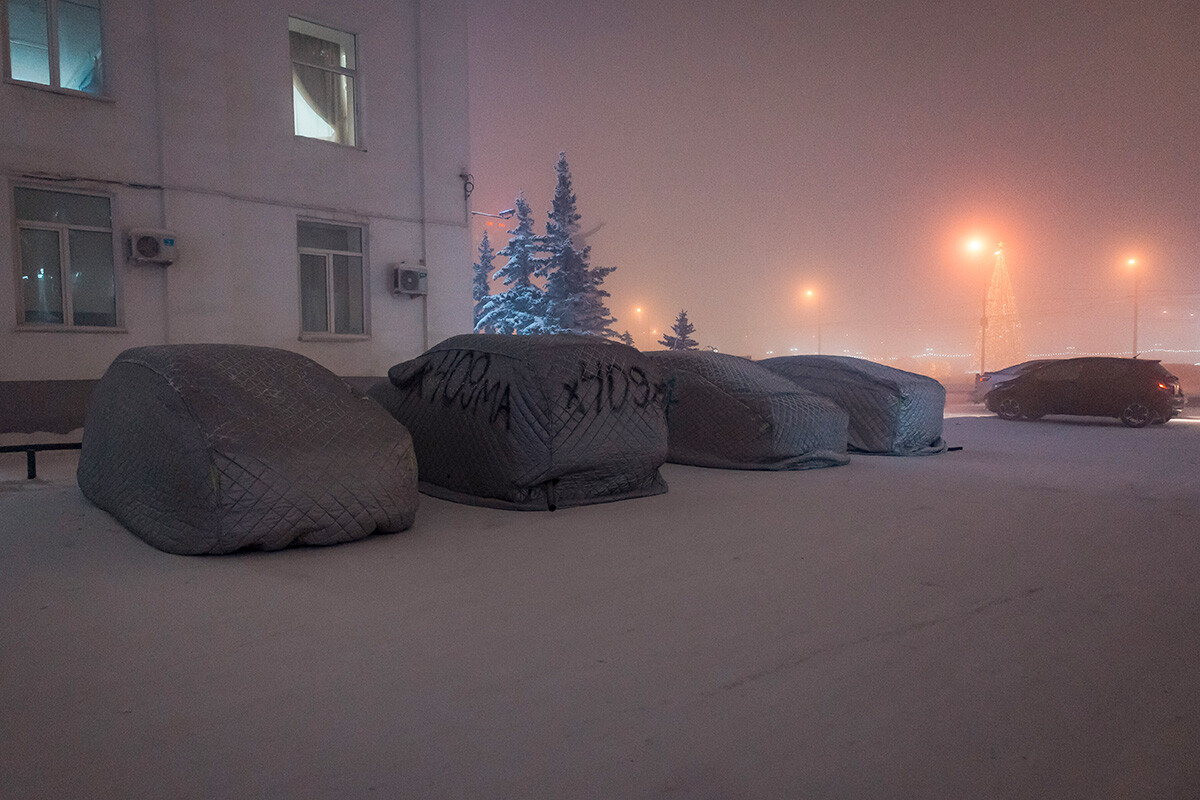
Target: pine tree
(625, 338)
(574, 299)
(682, 340)
(481, 288)
(520, 309)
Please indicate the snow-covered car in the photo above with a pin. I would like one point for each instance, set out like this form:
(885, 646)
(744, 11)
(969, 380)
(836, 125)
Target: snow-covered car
(984, 381)
(1136, 391)
(892, 412)
(729, 412)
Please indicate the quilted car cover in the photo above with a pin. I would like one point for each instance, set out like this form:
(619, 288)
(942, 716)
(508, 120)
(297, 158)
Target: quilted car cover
(727, 411)
(892, 412)
(215, 448)
(531, 422)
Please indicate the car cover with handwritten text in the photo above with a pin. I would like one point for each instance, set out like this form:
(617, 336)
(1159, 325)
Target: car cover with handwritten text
(531, 422)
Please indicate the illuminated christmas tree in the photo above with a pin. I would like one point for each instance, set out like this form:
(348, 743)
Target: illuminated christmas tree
(1001, 329)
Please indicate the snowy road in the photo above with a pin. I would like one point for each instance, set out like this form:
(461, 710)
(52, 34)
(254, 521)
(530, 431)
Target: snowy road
(1020, 619)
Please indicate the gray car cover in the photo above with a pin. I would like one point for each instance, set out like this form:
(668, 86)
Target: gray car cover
(217, 448)
(727, 411)
(531, 422)
(892, 412)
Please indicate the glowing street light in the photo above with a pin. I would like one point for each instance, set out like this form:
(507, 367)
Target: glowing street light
(812, 294)
(641, 331)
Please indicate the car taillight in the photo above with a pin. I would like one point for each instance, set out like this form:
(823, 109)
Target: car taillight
(1163, 386)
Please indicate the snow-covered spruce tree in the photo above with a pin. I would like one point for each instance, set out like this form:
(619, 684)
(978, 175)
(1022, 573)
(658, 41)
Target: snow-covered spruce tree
(520, 309)
(481, 289)
(574, 299)
(682, 338)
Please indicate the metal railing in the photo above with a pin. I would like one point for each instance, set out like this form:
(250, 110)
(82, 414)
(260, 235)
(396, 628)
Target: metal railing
(31, 451)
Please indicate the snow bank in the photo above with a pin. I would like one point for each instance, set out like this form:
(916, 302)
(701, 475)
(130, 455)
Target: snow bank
(1016, 620)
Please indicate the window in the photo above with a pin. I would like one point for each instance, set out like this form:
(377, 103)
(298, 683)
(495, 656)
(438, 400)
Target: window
(323, 70)
(1060, 371)
(56, 43)
(331, 278)
(67, 276)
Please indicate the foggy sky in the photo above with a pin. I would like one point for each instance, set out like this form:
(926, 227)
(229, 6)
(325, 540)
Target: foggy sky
(737, 154)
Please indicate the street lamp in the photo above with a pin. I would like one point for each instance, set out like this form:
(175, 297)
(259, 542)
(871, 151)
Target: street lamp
(812, 294)
(1133, 265)
(505, 214)
(976, 246)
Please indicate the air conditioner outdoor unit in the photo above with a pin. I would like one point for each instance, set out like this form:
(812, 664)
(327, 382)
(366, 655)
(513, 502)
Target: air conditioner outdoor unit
(409, 281)
(151, 246)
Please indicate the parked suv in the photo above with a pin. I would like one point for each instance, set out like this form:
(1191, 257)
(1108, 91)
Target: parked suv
(1135, 391)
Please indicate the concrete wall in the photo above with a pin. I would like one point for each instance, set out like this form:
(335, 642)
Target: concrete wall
(200, 104)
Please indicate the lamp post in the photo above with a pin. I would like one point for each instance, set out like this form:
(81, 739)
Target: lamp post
(1133, 265)
(976, 246)
(817, 298)
(983, 331)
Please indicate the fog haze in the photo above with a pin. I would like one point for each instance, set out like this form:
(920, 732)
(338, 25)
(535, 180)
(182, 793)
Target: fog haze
(735, 155)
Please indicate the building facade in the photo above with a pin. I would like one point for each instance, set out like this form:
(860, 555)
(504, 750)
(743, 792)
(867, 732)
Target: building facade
(227, 171)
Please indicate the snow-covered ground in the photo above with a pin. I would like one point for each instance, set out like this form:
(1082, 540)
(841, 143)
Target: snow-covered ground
(1020, 619)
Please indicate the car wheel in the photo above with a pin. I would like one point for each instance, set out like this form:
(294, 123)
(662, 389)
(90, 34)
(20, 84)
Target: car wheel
(1137, 415)
(1009, 408)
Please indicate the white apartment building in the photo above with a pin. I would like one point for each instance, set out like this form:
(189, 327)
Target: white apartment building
(246, 171)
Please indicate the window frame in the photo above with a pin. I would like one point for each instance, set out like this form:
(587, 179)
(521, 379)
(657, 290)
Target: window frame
(330, 334)
(353, 74)
(63, 230)
(55, 84)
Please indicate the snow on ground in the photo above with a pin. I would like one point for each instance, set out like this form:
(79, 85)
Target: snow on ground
(1020, 619)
